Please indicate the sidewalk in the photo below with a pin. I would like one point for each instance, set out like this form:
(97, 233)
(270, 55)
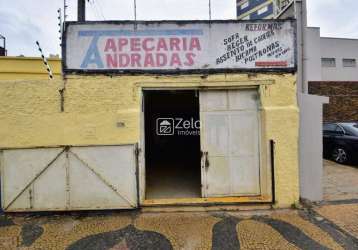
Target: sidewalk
(340, 182)
(330, 226)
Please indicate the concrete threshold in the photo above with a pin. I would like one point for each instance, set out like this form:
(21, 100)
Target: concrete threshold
(203, 208)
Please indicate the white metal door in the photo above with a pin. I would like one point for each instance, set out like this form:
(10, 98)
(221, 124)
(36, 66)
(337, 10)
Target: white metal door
(73, 178)
(230, 143)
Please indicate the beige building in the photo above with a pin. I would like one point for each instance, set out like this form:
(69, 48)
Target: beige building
(29, 68)
(199, 127)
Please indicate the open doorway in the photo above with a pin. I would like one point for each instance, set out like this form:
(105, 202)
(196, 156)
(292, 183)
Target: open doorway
(172, 143)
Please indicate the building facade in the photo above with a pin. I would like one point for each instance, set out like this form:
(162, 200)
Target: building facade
(343, 99)
(28, 68)
(311, 110)
(255, 9)
(120, 131)
(339, 58)
(330, 59)
(260, 9)
(332, 71)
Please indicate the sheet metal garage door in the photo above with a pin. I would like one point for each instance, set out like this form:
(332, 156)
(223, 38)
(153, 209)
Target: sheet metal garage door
(230, 142)
(71, 178)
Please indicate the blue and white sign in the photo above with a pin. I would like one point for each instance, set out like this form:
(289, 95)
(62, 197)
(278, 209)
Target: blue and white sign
(179, 45)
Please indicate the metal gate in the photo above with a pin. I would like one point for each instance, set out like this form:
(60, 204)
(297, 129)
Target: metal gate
(230, 143)
(69, 178)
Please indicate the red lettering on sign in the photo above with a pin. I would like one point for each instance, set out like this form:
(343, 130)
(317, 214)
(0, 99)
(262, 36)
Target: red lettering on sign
(271, 63)
(135, 44)
(135, 60)
(112, 61)
(146, 45)
(174, 44)
(121, 43)
(175, 60)
(190, 59)
(149, 60)
(151, 52)
(162, 45)
(195, 44)
(110, 45)
(123, 60)
(161, 59)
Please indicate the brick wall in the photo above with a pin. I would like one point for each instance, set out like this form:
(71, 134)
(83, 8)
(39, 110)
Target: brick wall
(343, 99)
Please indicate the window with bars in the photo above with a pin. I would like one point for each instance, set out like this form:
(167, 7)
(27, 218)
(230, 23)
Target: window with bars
(349, 62)
(328, 62)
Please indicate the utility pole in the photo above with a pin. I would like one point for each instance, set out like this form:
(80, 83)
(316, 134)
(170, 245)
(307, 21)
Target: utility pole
(81, 10)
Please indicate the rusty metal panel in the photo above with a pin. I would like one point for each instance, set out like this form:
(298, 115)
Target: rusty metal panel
(49, 190)
(19, 169)
(230, 136)
(179, 46)
(71, 178)
(107, 174)
(244, 153)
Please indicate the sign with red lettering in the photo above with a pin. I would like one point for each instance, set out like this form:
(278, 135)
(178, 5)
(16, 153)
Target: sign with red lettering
(174, 46)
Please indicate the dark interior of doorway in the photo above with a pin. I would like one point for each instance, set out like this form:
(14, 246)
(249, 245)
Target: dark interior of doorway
(172, 160)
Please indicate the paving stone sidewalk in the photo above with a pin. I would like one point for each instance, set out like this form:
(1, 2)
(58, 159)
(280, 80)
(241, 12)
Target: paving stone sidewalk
(331, 226)
(340, 182)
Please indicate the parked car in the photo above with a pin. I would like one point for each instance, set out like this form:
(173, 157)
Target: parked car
(340, 142)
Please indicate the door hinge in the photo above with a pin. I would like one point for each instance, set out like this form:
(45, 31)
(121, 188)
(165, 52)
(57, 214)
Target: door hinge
(205, 165)
(136, 150)
(205, 159)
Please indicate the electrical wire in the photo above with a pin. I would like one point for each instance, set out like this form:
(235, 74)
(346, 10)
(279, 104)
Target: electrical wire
(97, 9)
(100, 9)
(94, 10)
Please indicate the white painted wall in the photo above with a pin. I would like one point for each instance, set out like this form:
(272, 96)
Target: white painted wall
(312, 52)
(311, 47)
(310, 139)
(339, 48)
(317, 47)
(311, 164)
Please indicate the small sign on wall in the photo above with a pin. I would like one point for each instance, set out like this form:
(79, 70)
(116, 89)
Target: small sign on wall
(176, 46)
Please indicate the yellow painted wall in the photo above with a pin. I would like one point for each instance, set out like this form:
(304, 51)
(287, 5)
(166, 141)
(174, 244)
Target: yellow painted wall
(30, 114)
(31, 68)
